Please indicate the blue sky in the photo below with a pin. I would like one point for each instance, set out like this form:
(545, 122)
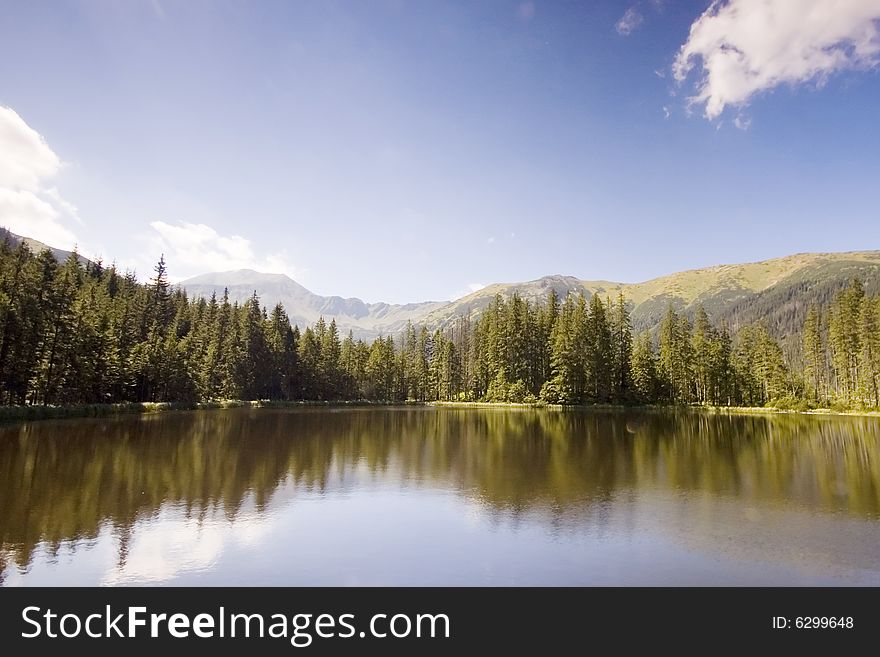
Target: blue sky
(405, 151)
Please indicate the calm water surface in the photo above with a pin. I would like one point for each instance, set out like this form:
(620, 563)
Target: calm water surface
(424, 496)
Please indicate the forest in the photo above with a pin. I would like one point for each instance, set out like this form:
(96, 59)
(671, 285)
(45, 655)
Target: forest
(81, 333)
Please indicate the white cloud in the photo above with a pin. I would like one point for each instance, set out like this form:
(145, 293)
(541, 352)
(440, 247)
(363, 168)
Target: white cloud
(470, 289)
(27, 207)
(745, 47)
(65, 205)
(192, 249)
(742, 122)
(490, 240)
(25, 157)
(630, 20)
(25, 213)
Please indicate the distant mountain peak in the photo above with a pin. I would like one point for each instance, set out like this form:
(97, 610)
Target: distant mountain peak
(304, 307)
(37, 247)
(238, 277)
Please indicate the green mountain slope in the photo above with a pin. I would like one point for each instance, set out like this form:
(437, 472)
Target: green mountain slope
(777, 291)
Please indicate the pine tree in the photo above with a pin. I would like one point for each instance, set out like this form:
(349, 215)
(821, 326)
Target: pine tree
(349, 369)
(564, 384)
(256, 360)
(761, 371)
(516, 321)
(814, 354)
(644, 370)
(622, 351)
(546, 322)
(845, 340)
(676, 357)
(598, 351)
(310, 358)
(423, 355)
(496, 343)
(725, 378)
(14, 290)
(380, 370)
(703, 344)
(329, 362)
(58, 352)
(869, 340)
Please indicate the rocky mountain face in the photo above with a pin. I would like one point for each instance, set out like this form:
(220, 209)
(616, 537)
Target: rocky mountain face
(365, 320)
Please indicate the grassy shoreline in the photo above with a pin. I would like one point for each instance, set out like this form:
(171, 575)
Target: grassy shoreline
(11, 414)
(14, 414)
(720, 410)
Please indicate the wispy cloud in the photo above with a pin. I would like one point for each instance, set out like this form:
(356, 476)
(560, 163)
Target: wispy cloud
(27, 206)
(66, 206)
(525, 11)
(742, 122)
(630, 20)
(192, 249)
(744, 47)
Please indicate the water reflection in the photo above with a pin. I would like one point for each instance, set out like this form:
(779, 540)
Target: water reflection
(144, 499)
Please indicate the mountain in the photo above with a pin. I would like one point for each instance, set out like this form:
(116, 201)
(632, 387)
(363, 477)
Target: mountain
(366, 320)
(777, 291)
(36, 246)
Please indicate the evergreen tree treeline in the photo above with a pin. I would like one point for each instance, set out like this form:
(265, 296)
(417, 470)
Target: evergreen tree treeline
(72, 333)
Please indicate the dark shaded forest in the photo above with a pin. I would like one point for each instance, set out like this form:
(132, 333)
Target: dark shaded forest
(82, 333)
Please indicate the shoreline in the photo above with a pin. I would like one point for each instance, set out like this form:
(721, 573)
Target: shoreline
(17, 414)
(720, 410)
(14, 414)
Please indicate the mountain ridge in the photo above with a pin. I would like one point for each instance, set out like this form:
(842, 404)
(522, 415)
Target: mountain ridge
(777, 291)
(305, 307)
(37, 246)
(725, 290)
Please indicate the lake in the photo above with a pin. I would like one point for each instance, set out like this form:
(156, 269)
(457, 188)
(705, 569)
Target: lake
(441, 496)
